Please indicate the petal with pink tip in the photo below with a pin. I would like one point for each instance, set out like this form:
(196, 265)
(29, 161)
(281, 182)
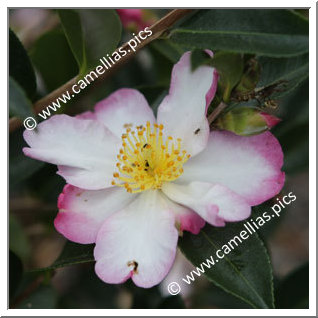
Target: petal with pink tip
(183, 111)
(138, 242)
(82, 212)
(186, 219)
(249, 166)
(213, 202)
(84, 149)
(124, 108)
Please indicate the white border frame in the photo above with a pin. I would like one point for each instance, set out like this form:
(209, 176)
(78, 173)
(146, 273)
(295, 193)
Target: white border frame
(312, 164)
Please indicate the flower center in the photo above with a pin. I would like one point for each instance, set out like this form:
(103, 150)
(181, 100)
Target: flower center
(146, 160)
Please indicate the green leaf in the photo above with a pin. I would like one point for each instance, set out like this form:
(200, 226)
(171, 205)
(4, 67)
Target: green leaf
(293, 131)
(15, 273)
(294, 108)
(91, 34)
(72, 254)
(168, 49)
(278, 78)
(19, 104)
(266, 231)
(295, 144)
(214, 297)
(270, 32)
(290, 72)
(61, 66)
(293, 291)
(72, 27)
(230, 67)
(245, 272)
(20, 67)
(21, 167)
(199, 57)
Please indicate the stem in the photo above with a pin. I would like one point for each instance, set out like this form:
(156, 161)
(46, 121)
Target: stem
(216, 112)
(157, 30)
(27, 292)
(227, 94)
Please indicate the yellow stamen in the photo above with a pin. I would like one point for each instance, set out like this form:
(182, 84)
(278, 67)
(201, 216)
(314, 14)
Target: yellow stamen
(146, 160)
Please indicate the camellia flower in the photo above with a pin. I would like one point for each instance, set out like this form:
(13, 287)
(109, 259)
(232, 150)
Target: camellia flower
(135, 19)
(135, 182)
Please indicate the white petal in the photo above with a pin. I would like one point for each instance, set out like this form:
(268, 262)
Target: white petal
(183, 111)
(138, 242)
(84, 149)
(124, 107)
(249, 166)
(82, 212)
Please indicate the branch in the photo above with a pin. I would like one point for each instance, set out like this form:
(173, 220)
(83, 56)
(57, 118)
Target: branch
(27, 292)
(216, 112)
(157, 30)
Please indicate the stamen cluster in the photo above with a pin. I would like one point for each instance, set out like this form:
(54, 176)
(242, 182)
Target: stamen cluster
(146, 160)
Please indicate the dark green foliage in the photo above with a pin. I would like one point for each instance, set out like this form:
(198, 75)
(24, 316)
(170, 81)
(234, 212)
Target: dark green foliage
(238, 273)
(265, 32)
(20, 67)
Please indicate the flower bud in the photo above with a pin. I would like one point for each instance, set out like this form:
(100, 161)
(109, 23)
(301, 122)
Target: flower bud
(246, 121)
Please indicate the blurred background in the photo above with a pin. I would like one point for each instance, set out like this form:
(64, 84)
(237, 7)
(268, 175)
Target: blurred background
(34, 186)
